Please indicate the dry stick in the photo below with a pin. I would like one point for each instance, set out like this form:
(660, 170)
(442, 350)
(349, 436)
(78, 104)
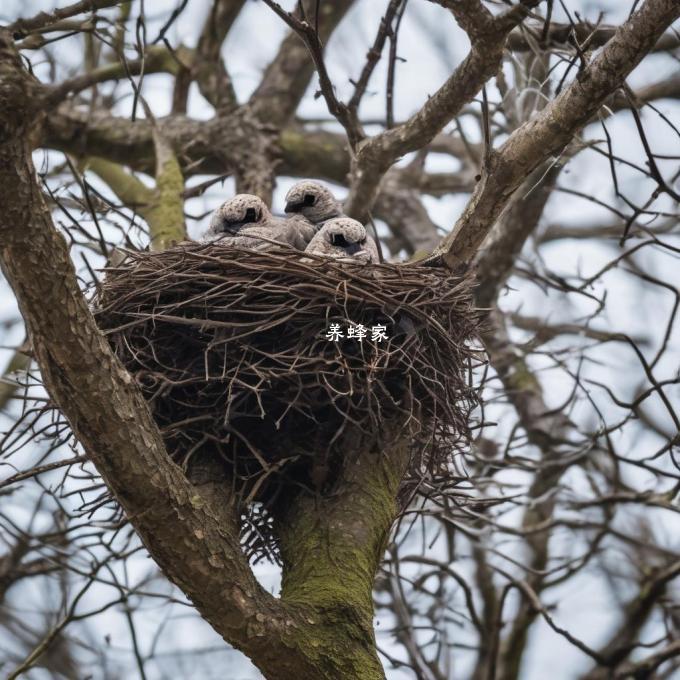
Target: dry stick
(556, 35)
(45, 643)
(156, 59)
(651, 159)
(377, 154)
(374, 54)
(23, 27)
(549, 132)
(309, 35)
(645, 667)
(392, 68)
(48, 467)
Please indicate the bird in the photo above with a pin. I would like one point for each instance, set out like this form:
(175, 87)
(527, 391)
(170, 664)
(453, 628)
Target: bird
(313, 201)
(301, 230)
(344, 238)
(246, 221)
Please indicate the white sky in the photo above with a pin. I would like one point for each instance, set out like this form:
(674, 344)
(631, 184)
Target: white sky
(431, 46)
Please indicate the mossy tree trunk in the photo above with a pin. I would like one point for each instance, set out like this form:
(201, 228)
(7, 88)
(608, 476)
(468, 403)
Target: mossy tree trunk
(321, 626)
(331, 547)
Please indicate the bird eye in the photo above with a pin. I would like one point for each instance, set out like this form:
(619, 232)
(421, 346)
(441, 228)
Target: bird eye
(251, 215)
(340, 241)
(309, 199)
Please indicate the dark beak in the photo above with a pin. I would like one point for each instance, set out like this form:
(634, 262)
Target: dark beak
(352, 248)
(294, 207)
(231, 227)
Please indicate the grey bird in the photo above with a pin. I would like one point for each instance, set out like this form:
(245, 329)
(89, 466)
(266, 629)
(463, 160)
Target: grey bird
(300, 230)
(346, 239)
(245, 221)
(313, 201)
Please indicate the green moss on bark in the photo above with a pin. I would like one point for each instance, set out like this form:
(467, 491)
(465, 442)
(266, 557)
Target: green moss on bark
(162, 208)
(165, 215)
(331, 549)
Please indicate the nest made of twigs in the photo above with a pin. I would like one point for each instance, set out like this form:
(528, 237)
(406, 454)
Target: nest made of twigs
(231, 349)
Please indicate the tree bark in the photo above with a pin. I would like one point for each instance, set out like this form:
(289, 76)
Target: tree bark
(321, 627)
(549, 132)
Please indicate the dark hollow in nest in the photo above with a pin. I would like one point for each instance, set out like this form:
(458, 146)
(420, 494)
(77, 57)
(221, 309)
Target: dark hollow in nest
(231, 351)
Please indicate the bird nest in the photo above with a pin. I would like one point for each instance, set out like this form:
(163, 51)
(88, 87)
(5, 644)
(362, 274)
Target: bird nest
(257, 366)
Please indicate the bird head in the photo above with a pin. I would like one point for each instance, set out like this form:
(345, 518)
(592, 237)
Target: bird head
(238, 212)
(339, 240)
(344, 238)
(313, 201)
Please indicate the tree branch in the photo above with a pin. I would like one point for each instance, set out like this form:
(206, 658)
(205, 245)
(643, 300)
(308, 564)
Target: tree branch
(157, 59)
(165, 215)
(23, 27)
(549, 132)
(190, 532)
(375, 155)
(557, 35)
(161, 207)
(634, 616)
(284, 82)
(209, 69)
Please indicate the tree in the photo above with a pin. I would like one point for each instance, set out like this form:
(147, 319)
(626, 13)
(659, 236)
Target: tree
(555, 487)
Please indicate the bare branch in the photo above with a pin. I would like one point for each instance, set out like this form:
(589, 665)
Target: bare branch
(376, 155)
(548, 133)
(287, 77)
(208, 67)
(23, 27)
(556, 35)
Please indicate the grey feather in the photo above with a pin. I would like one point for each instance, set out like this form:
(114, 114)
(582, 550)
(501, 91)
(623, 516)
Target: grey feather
(346, 239)
(313, 201)
(245, 221)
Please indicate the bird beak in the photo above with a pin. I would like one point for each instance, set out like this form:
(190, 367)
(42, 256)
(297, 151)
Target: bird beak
(293, 207)
(232, 227)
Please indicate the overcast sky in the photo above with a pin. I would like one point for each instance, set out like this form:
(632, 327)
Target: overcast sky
(430, 45)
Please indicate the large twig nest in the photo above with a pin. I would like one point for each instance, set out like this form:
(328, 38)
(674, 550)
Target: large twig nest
(231, 349)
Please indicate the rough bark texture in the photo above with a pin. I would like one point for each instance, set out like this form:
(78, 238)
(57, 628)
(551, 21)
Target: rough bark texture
(331, 549)
(375, 155)
(549, 132)
(322, 625)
